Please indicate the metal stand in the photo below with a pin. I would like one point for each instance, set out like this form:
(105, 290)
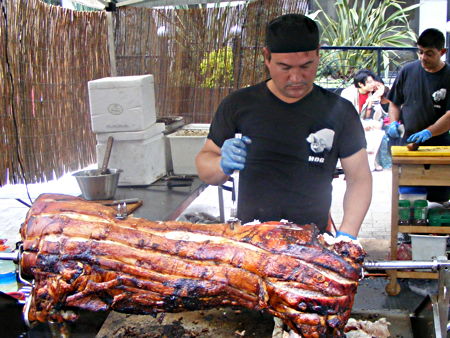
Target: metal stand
(440, 302)
(15, 256)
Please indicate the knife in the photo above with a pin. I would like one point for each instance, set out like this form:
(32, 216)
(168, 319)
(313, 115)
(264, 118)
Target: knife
(234, 195)
(127, 200)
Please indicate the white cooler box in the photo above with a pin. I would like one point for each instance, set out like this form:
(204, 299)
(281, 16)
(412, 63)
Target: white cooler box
(140, 154)
(425, 247)
(185, 145)
(123, 103)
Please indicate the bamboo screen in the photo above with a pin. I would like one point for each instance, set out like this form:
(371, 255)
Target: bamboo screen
(197, 56)
(47, 56)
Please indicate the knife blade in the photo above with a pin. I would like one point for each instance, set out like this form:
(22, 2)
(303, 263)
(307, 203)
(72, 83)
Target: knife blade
(127, 200)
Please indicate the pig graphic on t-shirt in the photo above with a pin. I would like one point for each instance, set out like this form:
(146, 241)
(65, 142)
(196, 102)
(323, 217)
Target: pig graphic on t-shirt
(321, 140)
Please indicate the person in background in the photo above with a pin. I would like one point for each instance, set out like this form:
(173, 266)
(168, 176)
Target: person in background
(294, 132)
(360, 93)
(380, 114)
(420, 99)
(366, 94)
(379, 100)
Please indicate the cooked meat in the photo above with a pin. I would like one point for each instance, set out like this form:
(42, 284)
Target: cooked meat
(81, 256)
(364, 328)
(412, 146)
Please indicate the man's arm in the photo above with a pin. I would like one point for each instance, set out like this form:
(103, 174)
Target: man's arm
(394, 112)
(358, 193)
(208, 164)
(441, 126)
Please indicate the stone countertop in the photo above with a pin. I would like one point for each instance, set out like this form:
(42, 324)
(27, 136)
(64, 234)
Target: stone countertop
(163, 201)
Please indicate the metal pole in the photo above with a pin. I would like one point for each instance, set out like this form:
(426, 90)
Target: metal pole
(9, 256)
(221, 206)
(379, 61)
(397, 265)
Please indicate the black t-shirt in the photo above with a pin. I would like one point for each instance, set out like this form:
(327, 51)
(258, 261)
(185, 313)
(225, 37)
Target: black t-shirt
(293, 154)
(422, 97)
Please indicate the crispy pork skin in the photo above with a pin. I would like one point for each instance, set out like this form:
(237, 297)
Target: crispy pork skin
(81, 256)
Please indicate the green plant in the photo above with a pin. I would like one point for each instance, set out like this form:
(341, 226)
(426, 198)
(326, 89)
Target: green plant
(366, 23)
(216, 68)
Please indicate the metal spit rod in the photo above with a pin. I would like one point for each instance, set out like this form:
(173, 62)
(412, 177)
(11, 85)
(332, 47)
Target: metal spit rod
(370, 265)
(9, 256)
(399, 265)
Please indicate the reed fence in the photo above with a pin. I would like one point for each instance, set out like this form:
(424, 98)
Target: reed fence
(48, 54)
(174, 46)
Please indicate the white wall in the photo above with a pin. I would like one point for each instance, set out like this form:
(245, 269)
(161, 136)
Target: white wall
(433, 14)
(67, 4)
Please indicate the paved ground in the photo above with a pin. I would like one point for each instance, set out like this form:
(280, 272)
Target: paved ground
(378, 219)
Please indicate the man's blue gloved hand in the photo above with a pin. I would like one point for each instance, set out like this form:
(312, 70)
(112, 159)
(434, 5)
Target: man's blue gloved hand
(234, 153)
(392, 130)
(341, 233)
(420, 137)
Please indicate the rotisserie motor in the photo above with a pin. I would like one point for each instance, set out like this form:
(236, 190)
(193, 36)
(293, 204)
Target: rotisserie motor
(81, 256)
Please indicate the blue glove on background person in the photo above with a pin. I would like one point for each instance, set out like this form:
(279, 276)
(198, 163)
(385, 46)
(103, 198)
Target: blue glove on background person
(234, 153)
(392, 130)
(341, 233)
(420, 137)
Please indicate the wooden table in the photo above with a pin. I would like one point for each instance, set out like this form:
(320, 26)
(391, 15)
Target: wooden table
(414, 171)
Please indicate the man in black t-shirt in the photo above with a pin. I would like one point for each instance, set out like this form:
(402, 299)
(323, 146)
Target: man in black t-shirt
(420, 99)
(420, 94)
(294, 132)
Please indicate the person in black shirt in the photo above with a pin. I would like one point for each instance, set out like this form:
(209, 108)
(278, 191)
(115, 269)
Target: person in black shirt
(420, 99)
(294, 132)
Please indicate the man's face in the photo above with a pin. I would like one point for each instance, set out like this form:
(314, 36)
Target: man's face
(292, 74)
(369, 86)
(430, 58)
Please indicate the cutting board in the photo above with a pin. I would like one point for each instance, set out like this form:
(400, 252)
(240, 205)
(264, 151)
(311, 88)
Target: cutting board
(442, 151)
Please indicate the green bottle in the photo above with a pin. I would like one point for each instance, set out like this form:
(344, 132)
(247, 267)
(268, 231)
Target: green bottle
(404, 207)
(420, 212)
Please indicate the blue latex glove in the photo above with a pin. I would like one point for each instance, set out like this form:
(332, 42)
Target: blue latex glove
(341, 233)
(420, 137)
(392, 130)
(234, 153)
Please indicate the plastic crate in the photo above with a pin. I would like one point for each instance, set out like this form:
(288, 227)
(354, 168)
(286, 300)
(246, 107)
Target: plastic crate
(439, 217)
(185, 145)
(426, 247)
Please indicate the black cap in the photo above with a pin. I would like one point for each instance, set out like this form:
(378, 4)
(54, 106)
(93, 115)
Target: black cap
(292, 33)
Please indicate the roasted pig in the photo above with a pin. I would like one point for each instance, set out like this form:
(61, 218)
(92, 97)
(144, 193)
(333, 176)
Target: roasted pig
(81, 256)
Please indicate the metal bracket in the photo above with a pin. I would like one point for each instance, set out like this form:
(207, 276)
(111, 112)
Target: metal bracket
(440, 303)
(28, 300)
(122, 211)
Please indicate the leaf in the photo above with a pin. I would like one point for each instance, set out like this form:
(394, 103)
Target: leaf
(363, 23)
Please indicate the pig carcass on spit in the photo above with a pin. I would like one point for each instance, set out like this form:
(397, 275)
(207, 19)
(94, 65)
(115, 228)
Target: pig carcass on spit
(81, 256)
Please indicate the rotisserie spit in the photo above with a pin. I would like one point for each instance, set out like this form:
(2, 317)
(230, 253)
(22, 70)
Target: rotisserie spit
(81, 256)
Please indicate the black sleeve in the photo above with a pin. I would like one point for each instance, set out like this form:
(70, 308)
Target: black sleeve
(396, 92)
(447, 86)
(223, 125)
(352, 138)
